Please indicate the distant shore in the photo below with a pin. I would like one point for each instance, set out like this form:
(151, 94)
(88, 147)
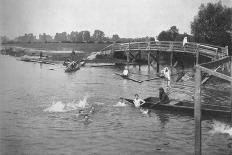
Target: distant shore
(59, 52)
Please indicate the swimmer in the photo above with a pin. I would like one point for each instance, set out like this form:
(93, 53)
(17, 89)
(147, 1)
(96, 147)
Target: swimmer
(137, 101)
(92, 110)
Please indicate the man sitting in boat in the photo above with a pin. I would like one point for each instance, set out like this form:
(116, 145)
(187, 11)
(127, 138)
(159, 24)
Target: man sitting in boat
(137, 101)
(125, 72)
(72, 64)
(163, 97)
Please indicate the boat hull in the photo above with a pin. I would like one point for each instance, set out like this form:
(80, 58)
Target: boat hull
(184, 107)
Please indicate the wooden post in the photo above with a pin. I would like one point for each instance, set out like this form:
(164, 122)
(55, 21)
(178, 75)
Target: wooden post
(128, 55)
(197, 111)
(127, 58)
(148, 61)
(231, 88)
(197, 55)
(171, 59)
(139, 60)
(157, 59)
(226, 51)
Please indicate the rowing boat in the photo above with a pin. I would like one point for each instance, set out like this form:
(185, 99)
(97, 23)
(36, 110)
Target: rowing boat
(77, 67)
(184, 106)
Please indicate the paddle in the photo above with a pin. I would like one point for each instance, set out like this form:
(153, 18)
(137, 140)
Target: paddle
(57, 68)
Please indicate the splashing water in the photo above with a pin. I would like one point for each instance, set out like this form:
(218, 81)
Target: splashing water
(65, 107)
(219, 127)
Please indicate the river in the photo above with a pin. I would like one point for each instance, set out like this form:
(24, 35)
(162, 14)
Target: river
(34, 120)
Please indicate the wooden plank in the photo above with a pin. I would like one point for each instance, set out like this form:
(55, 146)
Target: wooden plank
(197, 112)
(217, 74)
(207, 78)
(216, 63)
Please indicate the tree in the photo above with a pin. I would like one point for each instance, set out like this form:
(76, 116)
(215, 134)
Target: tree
(115, 38)
(4, 39)
(98, 35)
(165, 36)
(212, 24)
(73, 36)
(61, 37)
(169, 35)
(86, 36)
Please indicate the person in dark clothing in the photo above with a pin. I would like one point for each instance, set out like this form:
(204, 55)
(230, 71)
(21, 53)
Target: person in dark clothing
(163, 97)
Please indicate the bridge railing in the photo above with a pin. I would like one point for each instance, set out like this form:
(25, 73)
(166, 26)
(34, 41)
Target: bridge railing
(190, 47)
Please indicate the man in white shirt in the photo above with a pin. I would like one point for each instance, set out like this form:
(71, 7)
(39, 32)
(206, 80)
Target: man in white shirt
(137, 101)
(185, 41)
(125, 72)
(167, 74)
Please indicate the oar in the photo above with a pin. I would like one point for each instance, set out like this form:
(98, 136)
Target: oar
(56, 68)
(152, 79)
(140, 74)
(139, 81)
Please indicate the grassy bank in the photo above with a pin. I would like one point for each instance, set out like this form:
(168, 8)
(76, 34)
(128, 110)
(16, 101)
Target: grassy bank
(58, 51)
(85, 47)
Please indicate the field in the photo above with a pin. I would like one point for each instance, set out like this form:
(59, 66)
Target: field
(86, 47)
(55, 51)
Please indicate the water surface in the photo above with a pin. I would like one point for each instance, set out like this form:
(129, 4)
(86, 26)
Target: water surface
(28, 90)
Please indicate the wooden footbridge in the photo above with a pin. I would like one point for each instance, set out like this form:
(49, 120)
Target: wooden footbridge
(154, 48)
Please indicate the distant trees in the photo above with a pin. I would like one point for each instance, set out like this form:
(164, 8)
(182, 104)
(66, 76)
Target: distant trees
(173, 34)
(213, 25)
(86, 36)
(4, 39)
(115, 38)
(169, 35)
(26, 38)
(98, 35)
(45, 38)
(61, 37)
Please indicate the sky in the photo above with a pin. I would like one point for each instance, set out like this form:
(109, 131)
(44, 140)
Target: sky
(127, 18)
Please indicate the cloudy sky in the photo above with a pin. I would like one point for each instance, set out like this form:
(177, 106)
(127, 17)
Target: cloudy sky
(127, 18)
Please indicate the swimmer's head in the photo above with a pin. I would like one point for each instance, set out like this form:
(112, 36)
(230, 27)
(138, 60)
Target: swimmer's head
(81, 111)
(136, 96)
(86, 117)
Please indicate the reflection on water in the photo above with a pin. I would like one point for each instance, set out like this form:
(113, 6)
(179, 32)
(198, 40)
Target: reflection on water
(40, 114)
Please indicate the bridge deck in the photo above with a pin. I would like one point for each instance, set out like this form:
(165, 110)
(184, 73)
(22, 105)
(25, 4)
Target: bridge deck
(210, 51)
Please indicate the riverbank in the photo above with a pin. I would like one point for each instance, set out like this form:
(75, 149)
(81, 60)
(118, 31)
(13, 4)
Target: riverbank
(58, 52)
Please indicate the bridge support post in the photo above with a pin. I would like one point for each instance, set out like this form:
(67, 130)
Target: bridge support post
(171, 61)
(197, 55)
(231, 88)
(127, 58)
(148, 61)
(157, 59)
(139, 60)
(197, 111)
